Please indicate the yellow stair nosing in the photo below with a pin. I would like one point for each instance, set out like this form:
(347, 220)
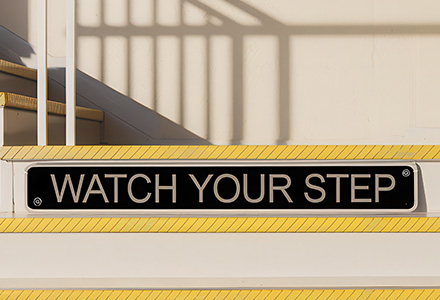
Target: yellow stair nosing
(18, 70)
(211, 152)
(53, 107)
(222, 224)
(238, 293)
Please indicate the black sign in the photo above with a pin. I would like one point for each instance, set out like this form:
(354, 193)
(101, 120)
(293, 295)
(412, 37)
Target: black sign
(222, 187)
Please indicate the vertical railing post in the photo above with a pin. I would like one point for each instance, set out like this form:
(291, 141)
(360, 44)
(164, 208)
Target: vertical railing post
(42, 73)
(70, 72)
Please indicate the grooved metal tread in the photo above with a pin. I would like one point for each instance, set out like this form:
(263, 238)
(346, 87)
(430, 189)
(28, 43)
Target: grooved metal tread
(317, 294)
(18, 70)
(241, 152)
(53, 107)
(221, 225)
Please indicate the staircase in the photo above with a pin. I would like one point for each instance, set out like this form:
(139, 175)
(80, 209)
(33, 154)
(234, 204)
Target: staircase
(18, 116)
(176, 254)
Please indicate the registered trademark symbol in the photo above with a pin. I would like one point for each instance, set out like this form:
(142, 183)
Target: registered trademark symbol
(406, 173)
(38, 201)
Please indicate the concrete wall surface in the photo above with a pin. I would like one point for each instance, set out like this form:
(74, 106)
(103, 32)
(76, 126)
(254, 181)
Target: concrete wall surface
(263, 71)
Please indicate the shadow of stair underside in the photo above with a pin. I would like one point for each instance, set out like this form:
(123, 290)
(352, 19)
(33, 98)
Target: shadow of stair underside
(126, 121)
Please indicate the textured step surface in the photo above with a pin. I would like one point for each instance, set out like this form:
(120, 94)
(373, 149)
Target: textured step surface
(321, 294)
(242, 152)
(17, 70)
(29, 103)
(86, 224)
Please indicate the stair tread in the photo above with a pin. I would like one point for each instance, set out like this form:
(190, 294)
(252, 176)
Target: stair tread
(53, 107)
(17, 70)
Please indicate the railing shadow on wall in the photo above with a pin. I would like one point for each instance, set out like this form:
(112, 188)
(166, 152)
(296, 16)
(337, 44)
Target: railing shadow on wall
(216, 23)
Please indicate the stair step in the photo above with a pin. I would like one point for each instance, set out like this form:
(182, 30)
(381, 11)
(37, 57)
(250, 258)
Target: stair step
(28, 103)
(18, 70)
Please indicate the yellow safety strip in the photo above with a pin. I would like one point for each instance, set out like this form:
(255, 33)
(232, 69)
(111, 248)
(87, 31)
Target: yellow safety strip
(221, 225)
(328, 294)
(53, 107)
(242, 152)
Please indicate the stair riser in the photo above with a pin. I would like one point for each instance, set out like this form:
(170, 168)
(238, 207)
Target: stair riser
(23, 86)
(17, 85)
(19, 128)
(428, 189)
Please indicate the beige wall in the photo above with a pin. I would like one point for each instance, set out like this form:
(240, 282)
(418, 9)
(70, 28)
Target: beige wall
(266, 71)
